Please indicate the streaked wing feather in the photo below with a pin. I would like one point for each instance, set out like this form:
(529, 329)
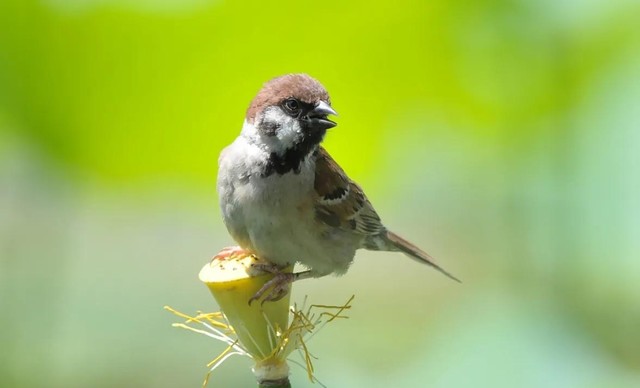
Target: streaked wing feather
(341, 203)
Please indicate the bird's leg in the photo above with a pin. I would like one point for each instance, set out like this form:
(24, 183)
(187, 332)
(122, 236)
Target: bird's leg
(230, 252)
(278, 287)
(269, 267)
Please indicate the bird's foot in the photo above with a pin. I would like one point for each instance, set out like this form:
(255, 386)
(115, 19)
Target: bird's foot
(269, 267)
(231, 252)
(276, 288)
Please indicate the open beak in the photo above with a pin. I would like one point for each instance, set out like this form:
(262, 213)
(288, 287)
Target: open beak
(318, 116)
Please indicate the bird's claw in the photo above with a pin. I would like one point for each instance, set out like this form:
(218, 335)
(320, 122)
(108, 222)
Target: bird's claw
(268, 267)
(275, 289)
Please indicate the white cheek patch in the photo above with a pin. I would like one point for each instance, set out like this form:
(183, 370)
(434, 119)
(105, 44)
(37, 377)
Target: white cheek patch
(289, 132)
(271, 114)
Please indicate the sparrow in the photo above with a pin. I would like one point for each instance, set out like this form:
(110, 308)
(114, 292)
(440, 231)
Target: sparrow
(284, 199)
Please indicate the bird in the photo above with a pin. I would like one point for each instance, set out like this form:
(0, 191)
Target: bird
(284, 198)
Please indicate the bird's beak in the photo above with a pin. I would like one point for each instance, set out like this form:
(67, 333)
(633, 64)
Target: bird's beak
(318, 116)
(323, 109)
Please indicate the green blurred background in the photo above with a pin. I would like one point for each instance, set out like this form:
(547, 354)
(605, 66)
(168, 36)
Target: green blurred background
(502, 136)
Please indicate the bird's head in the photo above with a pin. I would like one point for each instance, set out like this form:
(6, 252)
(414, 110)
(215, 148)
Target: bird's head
(290, 111)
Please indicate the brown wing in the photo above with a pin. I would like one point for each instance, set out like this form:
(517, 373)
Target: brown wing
(341, 203)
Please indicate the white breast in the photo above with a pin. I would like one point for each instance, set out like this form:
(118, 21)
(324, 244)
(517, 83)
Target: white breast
(274, 216)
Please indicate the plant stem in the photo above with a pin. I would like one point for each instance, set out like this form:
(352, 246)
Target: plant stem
(280, 383)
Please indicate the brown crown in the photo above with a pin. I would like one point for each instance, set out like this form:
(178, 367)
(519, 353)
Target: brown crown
(300, 86)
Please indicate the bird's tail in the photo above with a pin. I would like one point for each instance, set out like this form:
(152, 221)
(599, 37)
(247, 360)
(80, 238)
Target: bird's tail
(397, 243)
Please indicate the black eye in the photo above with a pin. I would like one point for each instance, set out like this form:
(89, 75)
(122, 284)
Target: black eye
(292, 105)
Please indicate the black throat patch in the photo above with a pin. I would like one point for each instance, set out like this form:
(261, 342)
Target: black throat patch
(291, 160)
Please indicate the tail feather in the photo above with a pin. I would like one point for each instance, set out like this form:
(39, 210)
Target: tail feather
(414, 252)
